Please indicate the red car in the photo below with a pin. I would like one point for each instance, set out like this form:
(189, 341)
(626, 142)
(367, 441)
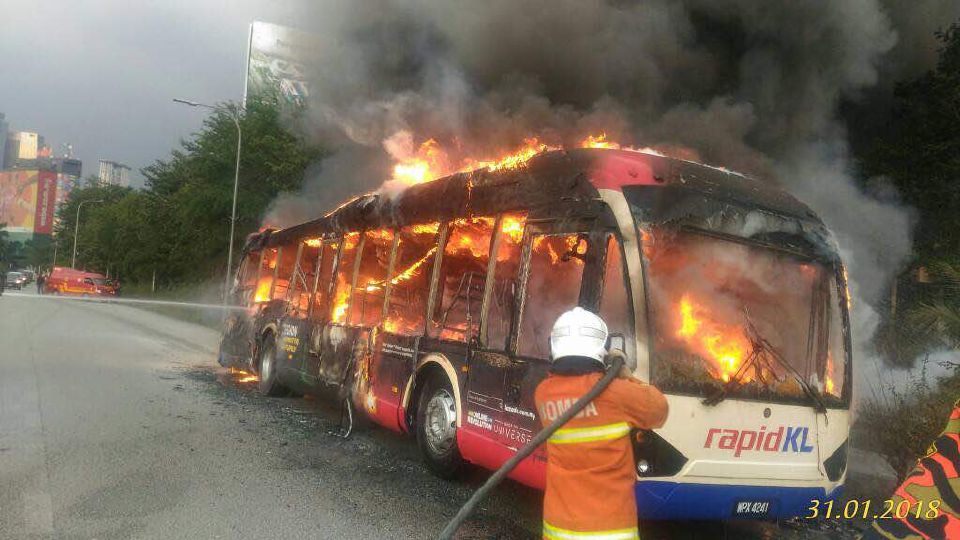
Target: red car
(71, 281)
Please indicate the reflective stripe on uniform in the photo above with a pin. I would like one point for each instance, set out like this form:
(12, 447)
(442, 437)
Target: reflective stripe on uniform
(555, 533)
(590, 434)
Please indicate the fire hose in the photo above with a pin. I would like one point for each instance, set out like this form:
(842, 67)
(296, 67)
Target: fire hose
(615, 361)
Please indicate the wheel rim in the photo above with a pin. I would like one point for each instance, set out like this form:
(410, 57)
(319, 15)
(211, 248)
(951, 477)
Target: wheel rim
(440, 422)
(266, 364)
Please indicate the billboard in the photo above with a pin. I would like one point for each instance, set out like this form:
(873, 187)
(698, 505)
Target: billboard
(277, 60)
(28, 200)
(46, 202)
(18, 200)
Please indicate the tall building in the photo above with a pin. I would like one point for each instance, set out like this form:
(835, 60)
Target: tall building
(4, 128)
(69, 171)
(113, 173)
(20, 150)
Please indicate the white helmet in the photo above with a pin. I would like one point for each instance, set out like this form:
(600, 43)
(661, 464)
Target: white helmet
(579, 332)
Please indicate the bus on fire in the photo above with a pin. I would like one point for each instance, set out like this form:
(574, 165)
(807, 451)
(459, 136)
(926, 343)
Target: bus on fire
(430, 313)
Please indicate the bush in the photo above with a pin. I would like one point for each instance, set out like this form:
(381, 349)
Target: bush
(900, 424)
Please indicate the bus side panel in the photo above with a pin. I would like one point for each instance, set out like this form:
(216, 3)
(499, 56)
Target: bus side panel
(236, 340)
(293, 345)
(490, 454)
(498, 418)
(390, 366)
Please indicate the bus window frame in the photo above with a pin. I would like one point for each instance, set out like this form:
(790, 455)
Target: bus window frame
(263, 253)
(488, 281)
(607, 233)
(316, 276)
(276, 272)
(441, 239)
(293, 308)
(391, 268)
(546, 227)
(356, 275)
(438, 239)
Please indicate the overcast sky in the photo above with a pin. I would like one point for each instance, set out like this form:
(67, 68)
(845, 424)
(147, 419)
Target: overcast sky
(101, 74)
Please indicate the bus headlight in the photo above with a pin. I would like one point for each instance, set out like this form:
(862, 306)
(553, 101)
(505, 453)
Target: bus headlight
(655, 456)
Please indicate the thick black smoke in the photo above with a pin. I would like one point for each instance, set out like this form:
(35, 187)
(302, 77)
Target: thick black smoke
(751, 85)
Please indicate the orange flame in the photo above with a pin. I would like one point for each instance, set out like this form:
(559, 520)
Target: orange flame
(724, 345)
(828, 376)
(340, 297)
(405, 275)
(431, 162)
(598, 141)
(262, 293)
(425, 228)
(242, 376)
(422, 167)
(531, 147)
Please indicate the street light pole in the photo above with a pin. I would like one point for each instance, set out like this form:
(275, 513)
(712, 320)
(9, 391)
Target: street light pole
(76, 230)
(235, 115)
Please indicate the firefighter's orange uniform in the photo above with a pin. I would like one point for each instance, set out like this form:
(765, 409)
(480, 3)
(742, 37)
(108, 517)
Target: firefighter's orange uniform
(590, 467)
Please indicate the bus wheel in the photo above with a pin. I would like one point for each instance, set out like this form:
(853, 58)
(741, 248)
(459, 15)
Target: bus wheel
(269, 381)
(437, 427)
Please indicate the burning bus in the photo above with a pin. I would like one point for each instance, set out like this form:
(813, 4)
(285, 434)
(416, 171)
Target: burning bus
(430, 312)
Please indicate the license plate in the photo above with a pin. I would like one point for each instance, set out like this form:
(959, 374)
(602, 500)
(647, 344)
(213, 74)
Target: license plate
(752, 509)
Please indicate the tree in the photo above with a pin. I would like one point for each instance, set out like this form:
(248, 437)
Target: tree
(4, 247)
(178, 225)
(920, 151)
(38, 251)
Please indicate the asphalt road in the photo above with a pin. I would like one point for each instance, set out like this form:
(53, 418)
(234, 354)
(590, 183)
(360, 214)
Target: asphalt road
(116, 422)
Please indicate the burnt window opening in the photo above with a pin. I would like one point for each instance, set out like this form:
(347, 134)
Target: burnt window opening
(461, 280)
(410, 281)
(301, 282)
(247, 278)
(324, 277)
(265, 270)
(343, 280)
(366, 302)
(723, 309)
(283, 269)
(552, 287)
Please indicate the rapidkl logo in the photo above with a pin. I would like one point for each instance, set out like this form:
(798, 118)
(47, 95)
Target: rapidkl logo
(784, 439)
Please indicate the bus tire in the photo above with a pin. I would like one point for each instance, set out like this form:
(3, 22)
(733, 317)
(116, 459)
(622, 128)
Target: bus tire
(437, 427)
(269, 384)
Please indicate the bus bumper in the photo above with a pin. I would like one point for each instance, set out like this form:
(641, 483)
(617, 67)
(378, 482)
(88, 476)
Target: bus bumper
(674, 500)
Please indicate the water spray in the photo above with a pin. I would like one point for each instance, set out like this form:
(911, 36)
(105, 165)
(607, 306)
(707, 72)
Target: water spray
(131, 301)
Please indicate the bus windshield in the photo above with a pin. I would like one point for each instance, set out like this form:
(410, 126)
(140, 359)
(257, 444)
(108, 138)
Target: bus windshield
(741, 319)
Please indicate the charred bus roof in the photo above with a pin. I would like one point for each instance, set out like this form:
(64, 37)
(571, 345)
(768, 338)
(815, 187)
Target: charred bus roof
(558, 184)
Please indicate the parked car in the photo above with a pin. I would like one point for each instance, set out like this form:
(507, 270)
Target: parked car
(15, 280)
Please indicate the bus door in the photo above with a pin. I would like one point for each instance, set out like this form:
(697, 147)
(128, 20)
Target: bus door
(318, 313)
(294, 335)
(238, 328)
(339, 339)
(556, 259)
(532, 281)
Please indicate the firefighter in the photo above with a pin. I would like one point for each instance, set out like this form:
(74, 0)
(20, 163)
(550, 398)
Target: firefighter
(590, 466)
